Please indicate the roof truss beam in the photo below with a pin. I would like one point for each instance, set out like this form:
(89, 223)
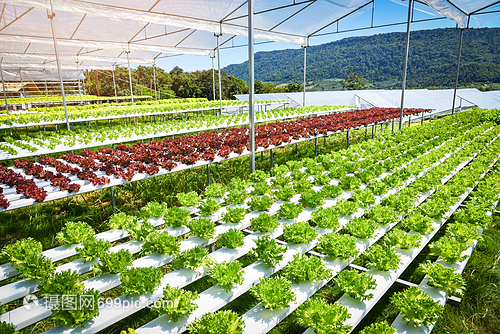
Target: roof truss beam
(103, 45)
(75, 58)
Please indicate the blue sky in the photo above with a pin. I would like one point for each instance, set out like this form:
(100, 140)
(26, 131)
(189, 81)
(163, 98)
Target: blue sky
(386, 12)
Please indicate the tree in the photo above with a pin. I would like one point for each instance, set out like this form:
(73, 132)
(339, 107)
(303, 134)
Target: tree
(294, 87)
(353, 82)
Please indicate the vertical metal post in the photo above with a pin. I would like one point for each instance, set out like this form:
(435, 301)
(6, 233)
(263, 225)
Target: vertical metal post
(251, 84)
(84, 89)
(79, 87)
(22, 83)
(218, 61)
(305, 63)
(405, 62)
(422, 120)
(393, 125)
(113, 202)
(114, 83)
(316, 147)
(97, 84)
(51, 18)
(130, 78)
(213, 74)
(373, 131)
(458, 68)
(271, 158)
(347, 138)
(208, 173)
(4, 91)
(366, 131)
(46, 89)
(154, 78)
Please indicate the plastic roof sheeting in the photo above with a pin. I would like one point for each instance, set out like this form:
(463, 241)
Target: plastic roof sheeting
(172, 23)
(440, 100)
(74, 58)
(459, 10)
(53, 66)
(148, 29)
(487, 100)
(33, 75)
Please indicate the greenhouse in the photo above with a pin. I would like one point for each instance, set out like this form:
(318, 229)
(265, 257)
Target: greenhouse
(357, 211)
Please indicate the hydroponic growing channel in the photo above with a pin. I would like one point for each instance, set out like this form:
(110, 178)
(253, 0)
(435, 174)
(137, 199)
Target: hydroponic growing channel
(377, 204)
(108, 167)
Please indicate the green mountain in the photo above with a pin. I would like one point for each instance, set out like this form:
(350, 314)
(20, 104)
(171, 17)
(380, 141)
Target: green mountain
(379, 60)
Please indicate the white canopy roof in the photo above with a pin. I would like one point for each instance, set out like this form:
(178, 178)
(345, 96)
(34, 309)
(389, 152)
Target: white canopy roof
(102, 31)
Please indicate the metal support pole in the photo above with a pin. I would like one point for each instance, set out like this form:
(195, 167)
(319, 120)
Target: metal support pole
(51, 18)
(347, 138)
(84, 89)
(409, 120)
(22, 83)
(208, 173)
(154, 78)
(305, 72)
(422, 120)
(405, 62)
(373, 131)
(97, 84)
(392, 125)
(113, 202)
(251, 83)
(79, 86)
(271, 156)
(130, 78)
(4, 91)
(218, 61)
(46, 89)
(316, 147)
(114, 83)
(458, 68)
(213, 74)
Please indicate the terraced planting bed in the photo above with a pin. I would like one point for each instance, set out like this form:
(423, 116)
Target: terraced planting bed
(250, 256)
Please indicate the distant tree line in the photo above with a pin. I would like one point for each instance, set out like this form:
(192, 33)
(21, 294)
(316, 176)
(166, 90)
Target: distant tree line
(176, 83)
